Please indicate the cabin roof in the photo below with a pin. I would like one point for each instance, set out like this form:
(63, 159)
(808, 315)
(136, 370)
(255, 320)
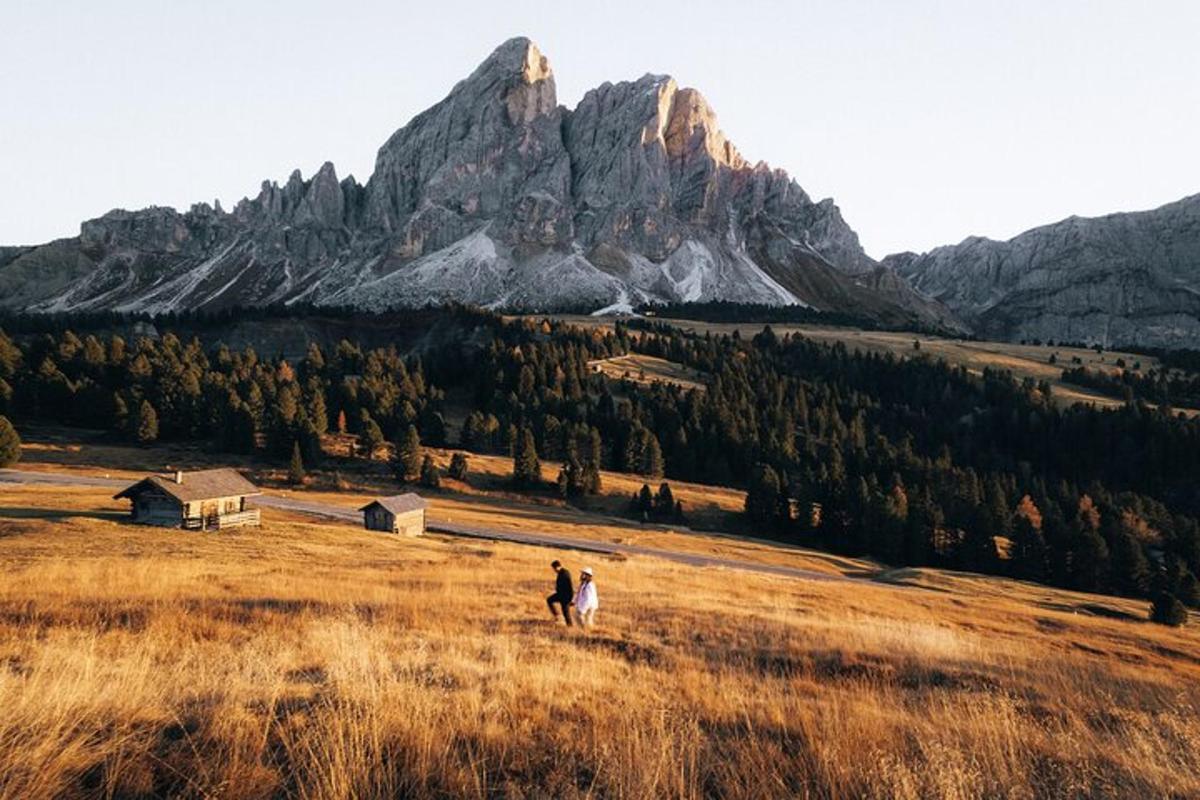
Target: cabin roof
(399, 504)
(204, 484)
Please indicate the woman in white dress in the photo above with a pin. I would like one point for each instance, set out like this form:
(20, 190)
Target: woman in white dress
(587, 600)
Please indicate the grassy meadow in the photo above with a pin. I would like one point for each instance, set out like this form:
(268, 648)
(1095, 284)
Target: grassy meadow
(1022, 360)
(316, 660)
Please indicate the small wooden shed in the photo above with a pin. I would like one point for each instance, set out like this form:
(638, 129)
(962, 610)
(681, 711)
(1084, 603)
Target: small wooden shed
(402, 513)
(202, 500)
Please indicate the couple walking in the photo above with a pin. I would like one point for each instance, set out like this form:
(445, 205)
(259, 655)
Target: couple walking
(586, 600)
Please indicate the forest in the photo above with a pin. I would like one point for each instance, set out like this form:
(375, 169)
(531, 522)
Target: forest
(1164, 387)
(909, 460)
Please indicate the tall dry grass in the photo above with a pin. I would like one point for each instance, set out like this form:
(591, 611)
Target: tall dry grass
(319, 661)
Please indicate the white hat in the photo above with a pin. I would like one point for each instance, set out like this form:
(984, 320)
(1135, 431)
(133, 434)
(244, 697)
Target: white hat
(586, 571)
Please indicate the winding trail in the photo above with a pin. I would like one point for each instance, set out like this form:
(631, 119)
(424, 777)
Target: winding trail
(533, 538)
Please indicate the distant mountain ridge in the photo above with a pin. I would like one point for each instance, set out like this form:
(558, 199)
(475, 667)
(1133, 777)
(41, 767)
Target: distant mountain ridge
(496, 196)
(1128, 278)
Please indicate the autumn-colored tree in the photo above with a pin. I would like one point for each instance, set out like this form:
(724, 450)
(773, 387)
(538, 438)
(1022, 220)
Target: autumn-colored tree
(10, 444)
(147, 423)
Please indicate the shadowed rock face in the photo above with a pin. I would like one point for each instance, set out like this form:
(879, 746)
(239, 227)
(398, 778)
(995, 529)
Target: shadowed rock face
(1120, 279)
(497, 196)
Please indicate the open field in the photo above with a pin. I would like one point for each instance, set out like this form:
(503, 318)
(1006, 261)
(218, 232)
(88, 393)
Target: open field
(483, 501)
(646, 370)
(1024, 361)
(318, 660)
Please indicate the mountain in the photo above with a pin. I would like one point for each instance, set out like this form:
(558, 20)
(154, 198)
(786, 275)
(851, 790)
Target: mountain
(1130, 278)
(496, 196)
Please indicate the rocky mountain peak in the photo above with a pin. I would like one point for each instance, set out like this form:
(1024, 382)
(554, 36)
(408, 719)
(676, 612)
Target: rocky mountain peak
(498, 196)
(693, 128)
(519, 75)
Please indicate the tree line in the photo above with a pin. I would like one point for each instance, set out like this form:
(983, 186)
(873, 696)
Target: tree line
(1162, 387)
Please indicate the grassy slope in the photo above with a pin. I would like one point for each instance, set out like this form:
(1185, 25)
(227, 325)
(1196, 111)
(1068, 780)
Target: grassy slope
(484, 500)
(319, 660)
(648, 369)
(1024, 361)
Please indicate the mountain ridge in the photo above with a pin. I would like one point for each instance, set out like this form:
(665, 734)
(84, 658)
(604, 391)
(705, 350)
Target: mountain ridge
(1122, 278)
(498, 196)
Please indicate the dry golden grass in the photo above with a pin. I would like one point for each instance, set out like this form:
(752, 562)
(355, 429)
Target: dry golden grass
(646, 370)
(320, 661)
(484, 500)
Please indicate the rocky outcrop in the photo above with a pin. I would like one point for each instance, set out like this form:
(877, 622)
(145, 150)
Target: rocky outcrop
(497, 196)
(1120, 279)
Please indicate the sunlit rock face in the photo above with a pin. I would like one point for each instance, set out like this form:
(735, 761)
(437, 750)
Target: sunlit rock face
(499, 196)
(1121, 279)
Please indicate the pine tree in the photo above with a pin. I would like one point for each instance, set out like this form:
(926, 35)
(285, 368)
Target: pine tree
(999, 517)
(925, 519)
(864, 519)
(315, 408)
(630, 456)
(1028, 552)
(652, 458)
(527, 470)
(430, 477)
(594, 453)
(10, 444)
(590, 478)
(370, 437)
(510, 440)
(1167, 610)
(310, 442)
(296, 472)
(664, 502)
(147, 424)
(1131, 570)
(244, 435)
(763, 495)
(407, 463)
(645, 502)
(341, 422)
(1089, 556)
(1189, 590)
(458, 467)
(893, 520)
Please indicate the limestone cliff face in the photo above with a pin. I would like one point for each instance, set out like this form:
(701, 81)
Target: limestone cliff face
(498, 196)
(1121, 279)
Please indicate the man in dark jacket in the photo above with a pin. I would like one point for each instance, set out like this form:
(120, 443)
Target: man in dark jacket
(564, 592)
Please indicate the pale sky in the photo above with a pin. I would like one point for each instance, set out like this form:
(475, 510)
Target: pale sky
(926, 121)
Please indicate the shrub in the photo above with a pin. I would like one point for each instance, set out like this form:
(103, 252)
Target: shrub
(458, 467)
(1167, 610)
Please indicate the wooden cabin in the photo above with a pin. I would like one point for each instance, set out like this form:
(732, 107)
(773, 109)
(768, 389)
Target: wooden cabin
(209, 499)
(403, 514)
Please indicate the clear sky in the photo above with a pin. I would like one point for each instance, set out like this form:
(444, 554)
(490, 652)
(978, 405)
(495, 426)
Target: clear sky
(926, 121)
